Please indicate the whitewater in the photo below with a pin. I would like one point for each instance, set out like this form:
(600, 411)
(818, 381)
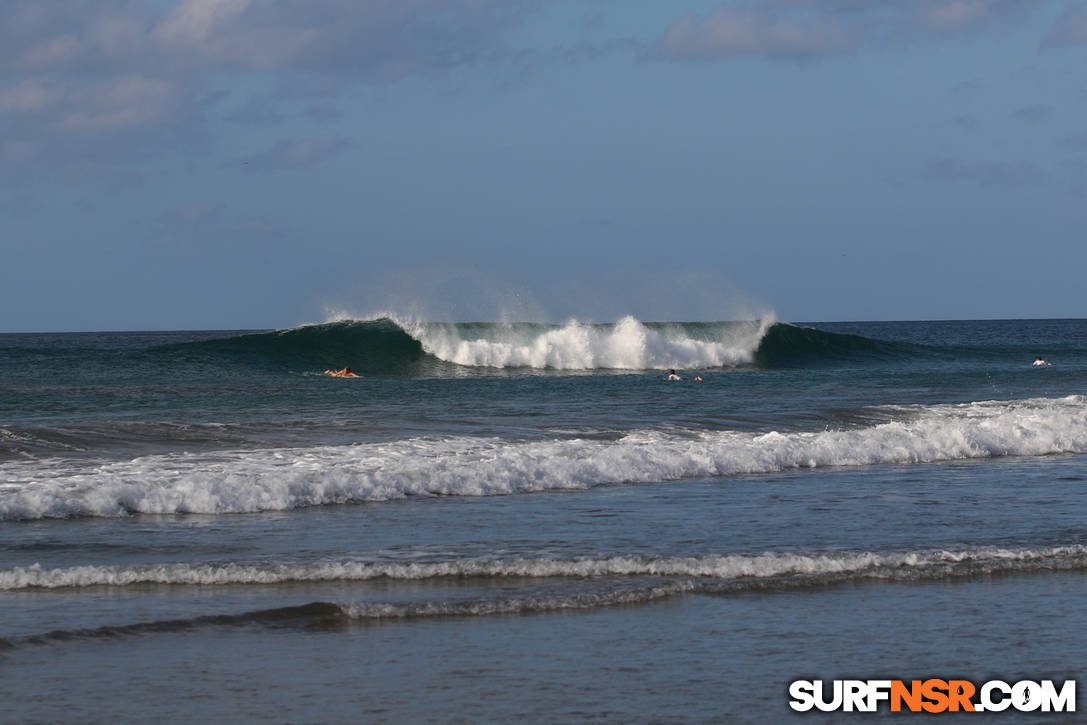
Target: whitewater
(495, 517)
(810, 568)
(286, 478)
(629, 344)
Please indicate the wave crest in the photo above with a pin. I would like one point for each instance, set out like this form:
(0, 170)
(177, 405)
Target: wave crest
(393, 345)
(626, 345)
(723, 567)
(279, 479)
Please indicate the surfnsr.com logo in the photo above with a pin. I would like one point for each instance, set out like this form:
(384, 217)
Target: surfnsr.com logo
(932, 695)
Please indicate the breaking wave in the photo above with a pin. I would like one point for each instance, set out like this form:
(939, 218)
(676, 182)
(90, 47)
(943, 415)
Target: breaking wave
(625, 345)
(572, 584)
(244, 481)
(725, 567)
(395, 347)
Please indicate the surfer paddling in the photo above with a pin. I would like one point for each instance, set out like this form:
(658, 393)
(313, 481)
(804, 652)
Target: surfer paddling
(672, 376)
(345, 373)
(1040, 363)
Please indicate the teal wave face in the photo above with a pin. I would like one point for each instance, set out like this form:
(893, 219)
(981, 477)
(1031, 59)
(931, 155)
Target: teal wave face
(388, 347)
(373, 346)
(385, 348)
(369, 347)
(791, 346)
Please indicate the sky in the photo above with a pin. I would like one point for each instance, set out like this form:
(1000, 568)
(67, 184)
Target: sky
(239, 164)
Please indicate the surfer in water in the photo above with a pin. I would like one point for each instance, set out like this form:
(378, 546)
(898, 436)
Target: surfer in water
(345, 373)
(1039, 362)
(672, 375)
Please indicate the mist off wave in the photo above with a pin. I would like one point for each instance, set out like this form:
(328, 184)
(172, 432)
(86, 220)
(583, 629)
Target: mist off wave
(395, 346)
(628, 344)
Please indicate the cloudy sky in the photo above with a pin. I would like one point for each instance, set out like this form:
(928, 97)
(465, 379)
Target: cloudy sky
(217, 164)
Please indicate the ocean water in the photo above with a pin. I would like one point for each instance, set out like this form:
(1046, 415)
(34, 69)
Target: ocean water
(527, 521)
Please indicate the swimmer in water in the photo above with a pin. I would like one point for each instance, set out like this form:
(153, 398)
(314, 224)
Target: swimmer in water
(672, 375)
(1039, 362)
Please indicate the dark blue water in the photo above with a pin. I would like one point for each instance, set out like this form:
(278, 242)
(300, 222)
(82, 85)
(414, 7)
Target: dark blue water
(529, 521)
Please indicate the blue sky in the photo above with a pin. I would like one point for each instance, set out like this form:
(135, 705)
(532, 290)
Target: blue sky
(218, 164)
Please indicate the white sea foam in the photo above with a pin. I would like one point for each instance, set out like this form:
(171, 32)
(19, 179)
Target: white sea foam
(628, 344)
(726, 567)
(285, 478)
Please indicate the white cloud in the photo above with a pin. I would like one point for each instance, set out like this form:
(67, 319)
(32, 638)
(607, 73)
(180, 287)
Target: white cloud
(726, 32)
(1070, 29)
(136, 61)
(193, 20)
(815, 28)
(51, 52)
(119, 103)
(955, 14)
(26, 97)
(371, 36)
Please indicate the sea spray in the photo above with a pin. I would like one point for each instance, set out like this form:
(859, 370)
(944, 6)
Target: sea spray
(626, 345)
(392, 345)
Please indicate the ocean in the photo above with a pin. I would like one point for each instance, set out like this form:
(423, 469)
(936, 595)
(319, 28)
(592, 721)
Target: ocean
(514, 521)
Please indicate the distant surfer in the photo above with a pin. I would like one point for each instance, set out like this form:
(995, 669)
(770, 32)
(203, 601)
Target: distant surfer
(672, 375)
(345, 373)
(1040, 363)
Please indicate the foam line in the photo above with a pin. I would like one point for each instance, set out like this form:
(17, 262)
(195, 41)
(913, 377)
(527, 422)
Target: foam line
(725, 567)
(287, 478)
